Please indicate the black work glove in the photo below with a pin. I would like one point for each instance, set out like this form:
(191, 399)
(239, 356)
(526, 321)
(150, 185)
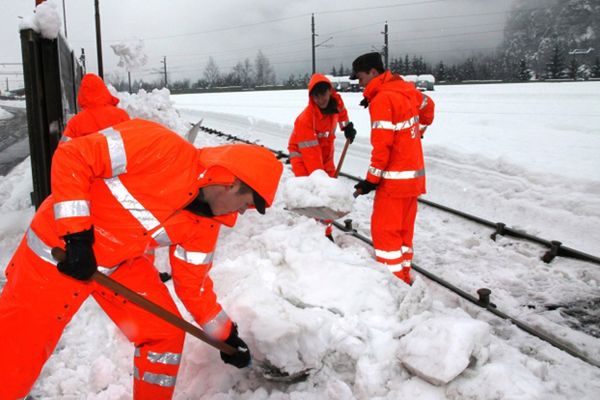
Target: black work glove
(80, 262)
(349, 132)
(240, 359)
(364, 187)
(364, 102)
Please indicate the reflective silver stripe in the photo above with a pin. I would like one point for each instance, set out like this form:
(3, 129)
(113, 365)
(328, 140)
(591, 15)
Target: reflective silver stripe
(423, 103)
(136, 373)
(308, 143)
(343, 124)
(406, 249)
(395, 127)
(403, 174)
(216, 323)
(64, 138)
(388, 255)
(382, 125)
(375, 171)
(40, 248)
(159, 379)
(164, 358)
(295, 154)
(394, 268)
(322, 134)
(71, 208)
(406, 263)
(129, 202)
(162, 237)
(193, 257)
(137, 352)
(116, 151)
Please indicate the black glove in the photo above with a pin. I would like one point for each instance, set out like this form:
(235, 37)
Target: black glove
(349, 132)
(240, 359)
(364, 102)
(80, 262)
(364, 187)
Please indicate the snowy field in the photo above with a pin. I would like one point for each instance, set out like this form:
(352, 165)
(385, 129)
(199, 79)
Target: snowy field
(523, 154)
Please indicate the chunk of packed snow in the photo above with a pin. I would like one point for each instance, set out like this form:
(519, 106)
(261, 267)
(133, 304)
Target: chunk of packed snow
(441, 348)
(46, 20)
(131, 54)
(317, 190)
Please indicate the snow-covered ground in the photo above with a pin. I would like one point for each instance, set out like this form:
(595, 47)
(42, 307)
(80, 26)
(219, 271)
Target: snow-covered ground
(526, 155)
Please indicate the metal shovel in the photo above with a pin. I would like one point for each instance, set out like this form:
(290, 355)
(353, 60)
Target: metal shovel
(269, 371)
(324, 212)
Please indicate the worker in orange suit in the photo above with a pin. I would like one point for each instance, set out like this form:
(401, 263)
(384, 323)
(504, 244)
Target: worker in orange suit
(399, 116)
(117, 195)
(98, 109)
(311, 144)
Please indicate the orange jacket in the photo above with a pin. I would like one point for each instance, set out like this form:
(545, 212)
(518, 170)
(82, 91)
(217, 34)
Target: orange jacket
(311, 144)
(131, 183)
(98, 109)
(397, 110)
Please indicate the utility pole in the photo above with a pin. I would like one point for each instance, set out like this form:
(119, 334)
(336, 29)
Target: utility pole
(164, 61)
(99, 40)
(314, 65)
(385, 46)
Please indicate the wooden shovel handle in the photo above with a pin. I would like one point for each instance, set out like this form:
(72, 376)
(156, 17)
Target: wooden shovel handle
(339, 166)
(153, 308)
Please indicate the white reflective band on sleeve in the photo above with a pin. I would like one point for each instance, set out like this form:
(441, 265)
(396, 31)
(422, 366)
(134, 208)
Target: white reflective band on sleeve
(406, 249)
(40, 248)
(116, 151)
(394, 268)
(159, 379)
(136, 373)
(295, 154)
(388, 255)
(375, 171)
(382, 125)
(129, 202)
(162, 237)
(308, 143)
(406, 263)
(71, 208)
(403, 174)
(216, 323)
(137, 352)
(406, 124)
(343, 124)
(423, 103)
(193, 257)
(322, 134)
(164, 358)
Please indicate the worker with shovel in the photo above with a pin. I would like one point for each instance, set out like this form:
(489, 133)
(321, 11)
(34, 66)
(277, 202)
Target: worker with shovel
(399, 113)
(116, 196)
(311, 144)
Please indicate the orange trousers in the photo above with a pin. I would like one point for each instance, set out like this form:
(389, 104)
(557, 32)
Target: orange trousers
(38, 302)
(392, 229)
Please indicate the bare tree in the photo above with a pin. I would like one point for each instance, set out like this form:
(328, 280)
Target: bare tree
(265, 75)
(243, 72)
(211, 73)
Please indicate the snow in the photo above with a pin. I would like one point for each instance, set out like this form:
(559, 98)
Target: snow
(5, 114)
(132, 55)
(525, 154)
(317, 190)
(45, 21)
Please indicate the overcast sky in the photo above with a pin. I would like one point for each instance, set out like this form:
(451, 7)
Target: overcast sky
(188, 32)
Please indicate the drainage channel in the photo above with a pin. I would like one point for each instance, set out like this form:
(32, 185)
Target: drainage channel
(483, 299)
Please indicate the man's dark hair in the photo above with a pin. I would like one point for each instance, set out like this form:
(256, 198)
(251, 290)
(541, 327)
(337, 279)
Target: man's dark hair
(320, 88)
(259, 203)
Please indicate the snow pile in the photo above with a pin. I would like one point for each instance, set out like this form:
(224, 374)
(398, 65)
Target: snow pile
(317, 190)
(131, 55)
(154, 106)
(45, 21)
(5, 114)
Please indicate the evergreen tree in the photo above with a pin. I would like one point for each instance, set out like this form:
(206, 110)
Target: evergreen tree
(596, 68)
(407, 70)
(573, 69)
(556, 65)
(524, 73)
(440, 72)
(291, 81)
(342, 71)
(333, 71)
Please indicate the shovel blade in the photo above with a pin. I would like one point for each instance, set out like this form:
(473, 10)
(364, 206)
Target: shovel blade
(320, 212)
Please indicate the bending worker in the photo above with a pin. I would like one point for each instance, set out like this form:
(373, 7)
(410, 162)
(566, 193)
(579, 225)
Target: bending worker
(399, 115)
(116, 196)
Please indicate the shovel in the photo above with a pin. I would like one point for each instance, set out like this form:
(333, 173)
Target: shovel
(190, 136)
(324, 212)
(269, 371)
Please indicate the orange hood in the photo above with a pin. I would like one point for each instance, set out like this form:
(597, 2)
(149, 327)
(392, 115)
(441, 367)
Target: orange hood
(94, 93)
